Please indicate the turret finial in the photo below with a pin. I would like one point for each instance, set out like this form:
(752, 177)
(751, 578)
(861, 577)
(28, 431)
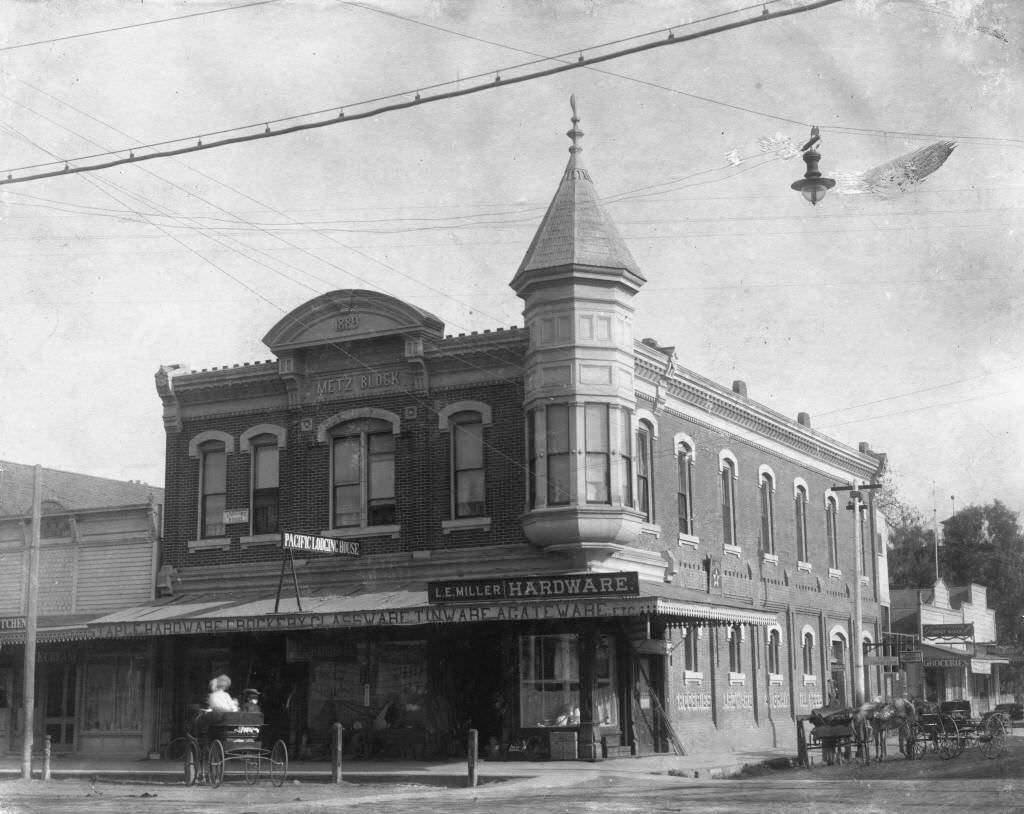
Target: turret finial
(574, 133)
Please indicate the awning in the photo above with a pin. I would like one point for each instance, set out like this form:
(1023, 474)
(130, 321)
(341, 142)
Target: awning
(59, 628)
(403, 605)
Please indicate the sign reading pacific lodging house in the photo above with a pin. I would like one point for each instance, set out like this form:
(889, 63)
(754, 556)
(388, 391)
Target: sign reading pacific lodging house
(563, 586)
(320, 545)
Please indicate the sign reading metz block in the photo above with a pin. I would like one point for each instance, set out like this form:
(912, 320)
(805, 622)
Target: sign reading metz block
(318, 545)
(948, 631)
(620, 583)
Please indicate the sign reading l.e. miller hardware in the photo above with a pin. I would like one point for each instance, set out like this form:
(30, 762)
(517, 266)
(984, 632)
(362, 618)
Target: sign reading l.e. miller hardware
(620, 583)
(319, 545)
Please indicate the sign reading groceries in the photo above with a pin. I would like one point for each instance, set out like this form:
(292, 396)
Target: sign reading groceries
(319, 545)
(620, 583)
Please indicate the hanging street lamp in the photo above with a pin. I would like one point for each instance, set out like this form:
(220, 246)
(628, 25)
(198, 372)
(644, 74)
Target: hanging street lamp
(812, 186)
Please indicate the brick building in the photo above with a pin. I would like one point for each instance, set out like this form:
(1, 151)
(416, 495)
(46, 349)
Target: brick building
(554, 534)
(97, 553)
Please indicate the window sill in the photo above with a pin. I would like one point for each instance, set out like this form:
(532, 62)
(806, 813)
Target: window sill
(209, 544)
(693, 677)
(810, 680)
(772, 558)
(651, 528)
(775, 680)
(363, 531)
(466, 523)
(804, 566)
(260, 539)
(689, 539)
(735, 550)
(737, 679)
(835, 573)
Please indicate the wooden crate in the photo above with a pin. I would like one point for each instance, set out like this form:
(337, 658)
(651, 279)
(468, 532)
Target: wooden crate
(563, 746)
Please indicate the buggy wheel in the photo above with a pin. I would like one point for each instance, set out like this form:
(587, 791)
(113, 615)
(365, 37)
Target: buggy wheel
(251, 766)
(191, 766)
(912, 740)
(278, 763)
(216, 763)
(992, 741)
(948, 738)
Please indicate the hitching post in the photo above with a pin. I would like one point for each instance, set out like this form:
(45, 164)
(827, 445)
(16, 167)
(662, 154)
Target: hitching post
(471, 756)
(336, 754)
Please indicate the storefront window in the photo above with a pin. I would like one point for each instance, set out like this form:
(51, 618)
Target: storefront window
(112, 700)
(549, 680)
(606, 702)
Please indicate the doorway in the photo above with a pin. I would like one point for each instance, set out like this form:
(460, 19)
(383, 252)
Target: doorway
(59, 688)
(6, 693)
(649, 731)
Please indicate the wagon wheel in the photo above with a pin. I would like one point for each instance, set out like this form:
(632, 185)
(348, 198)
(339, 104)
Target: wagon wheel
(216, 763)
(251, 766)
(992, 741)
(912, 739)
(191, 766)
(948, 738)
(278, 763)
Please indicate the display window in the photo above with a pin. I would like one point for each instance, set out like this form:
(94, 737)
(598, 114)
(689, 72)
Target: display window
(549, 685)
(112, 698)
(606, 701)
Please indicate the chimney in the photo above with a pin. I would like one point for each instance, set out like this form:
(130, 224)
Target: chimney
(740, 387)
(804, 419)
(864, 446)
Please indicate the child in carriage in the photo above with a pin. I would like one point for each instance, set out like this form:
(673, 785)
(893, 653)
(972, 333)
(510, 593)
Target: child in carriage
(218, 699)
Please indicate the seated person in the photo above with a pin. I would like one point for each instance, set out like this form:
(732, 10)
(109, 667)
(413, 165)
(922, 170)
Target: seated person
(218, 699)
(251, 701)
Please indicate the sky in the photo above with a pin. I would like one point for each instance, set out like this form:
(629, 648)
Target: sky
(890, 318)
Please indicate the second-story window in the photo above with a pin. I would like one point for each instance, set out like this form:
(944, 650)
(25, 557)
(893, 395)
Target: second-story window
(644, 463)
(597, 462)
(625, 457)
(735, 650)
(213, 488)
(468, 465)
(800, 517)
(767, 514)
(774, 652)
(265, 492)
(808, 654)
(728, 490)
(684, 487)
(557, 442)
(831, 536)
(364, 474)
(691, 650)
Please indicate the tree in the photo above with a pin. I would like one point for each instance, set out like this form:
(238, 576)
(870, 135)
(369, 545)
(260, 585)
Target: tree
(984, 544)
(912, 547)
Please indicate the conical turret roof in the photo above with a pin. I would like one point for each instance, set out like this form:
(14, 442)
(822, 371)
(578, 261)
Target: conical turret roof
(577, 229)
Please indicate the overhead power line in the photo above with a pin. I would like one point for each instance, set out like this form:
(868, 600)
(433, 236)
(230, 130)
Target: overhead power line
(342, 117)
(136, 25)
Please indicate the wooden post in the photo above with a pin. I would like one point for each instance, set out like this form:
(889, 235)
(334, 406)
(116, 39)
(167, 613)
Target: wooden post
(336, 754)
(47, 743)
(471, 756)
(31, 600)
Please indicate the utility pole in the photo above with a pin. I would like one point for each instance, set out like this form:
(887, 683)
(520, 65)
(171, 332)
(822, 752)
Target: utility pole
(29, 694)
(857, 634)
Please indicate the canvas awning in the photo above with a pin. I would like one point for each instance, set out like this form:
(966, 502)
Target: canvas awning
(398, 605)
(62, 628)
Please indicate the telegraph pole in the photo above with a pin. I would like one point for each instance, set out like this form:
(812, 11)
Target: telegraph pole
(29, 694)
(857, 634)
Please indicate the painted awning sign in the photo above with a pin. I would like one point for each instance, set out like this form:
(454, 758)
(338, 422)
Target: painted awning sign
(12, 622)
(981, 667)
(563, 586)
(955, 631)
(318, 545)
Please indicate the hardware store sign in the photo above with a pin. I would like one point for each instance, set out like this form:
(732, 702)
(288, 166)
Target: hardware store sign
(435, 614)
(621, 583)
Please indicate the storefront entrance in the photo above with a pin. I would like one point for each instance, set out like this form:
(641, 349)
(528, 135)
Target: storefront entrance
(59, 683)
(6, 712)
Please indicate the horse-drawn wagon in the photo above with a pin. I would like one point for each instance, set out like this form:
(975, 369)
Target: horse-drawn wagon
(217, 738)
(949, 729)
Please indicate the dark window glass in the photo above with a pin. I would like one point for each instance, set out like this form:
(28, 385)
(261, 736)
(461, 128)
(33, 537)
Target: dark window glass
(214, 488)
(598, 475)
(557, 442)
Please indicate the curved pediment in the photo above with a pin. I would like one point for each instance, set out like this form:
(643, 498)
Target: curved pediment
(348, 315)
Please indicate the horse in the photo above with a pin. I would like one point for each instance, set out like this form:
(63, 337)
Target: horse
(882, 717)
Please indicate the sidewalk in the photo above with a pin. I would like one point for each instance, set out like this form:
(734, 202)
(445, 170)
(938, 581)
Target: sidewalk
(450, 774)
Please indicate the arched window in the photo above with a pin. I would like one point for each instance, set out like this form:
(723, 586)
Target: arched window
(684, 486)
(691, 649)
(767, 513)
(467, 464)
(831, 535)
(363, 473)
(728, 489)
(774, 648)
(265, 483)
(212, 488)
(644, 470)
(808, 653)
(800, 518)
(735, 649)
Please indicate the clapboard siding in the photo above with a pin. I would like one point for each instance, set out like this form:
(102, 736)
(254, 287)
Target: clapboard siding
(12, 578)
(114, 576)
